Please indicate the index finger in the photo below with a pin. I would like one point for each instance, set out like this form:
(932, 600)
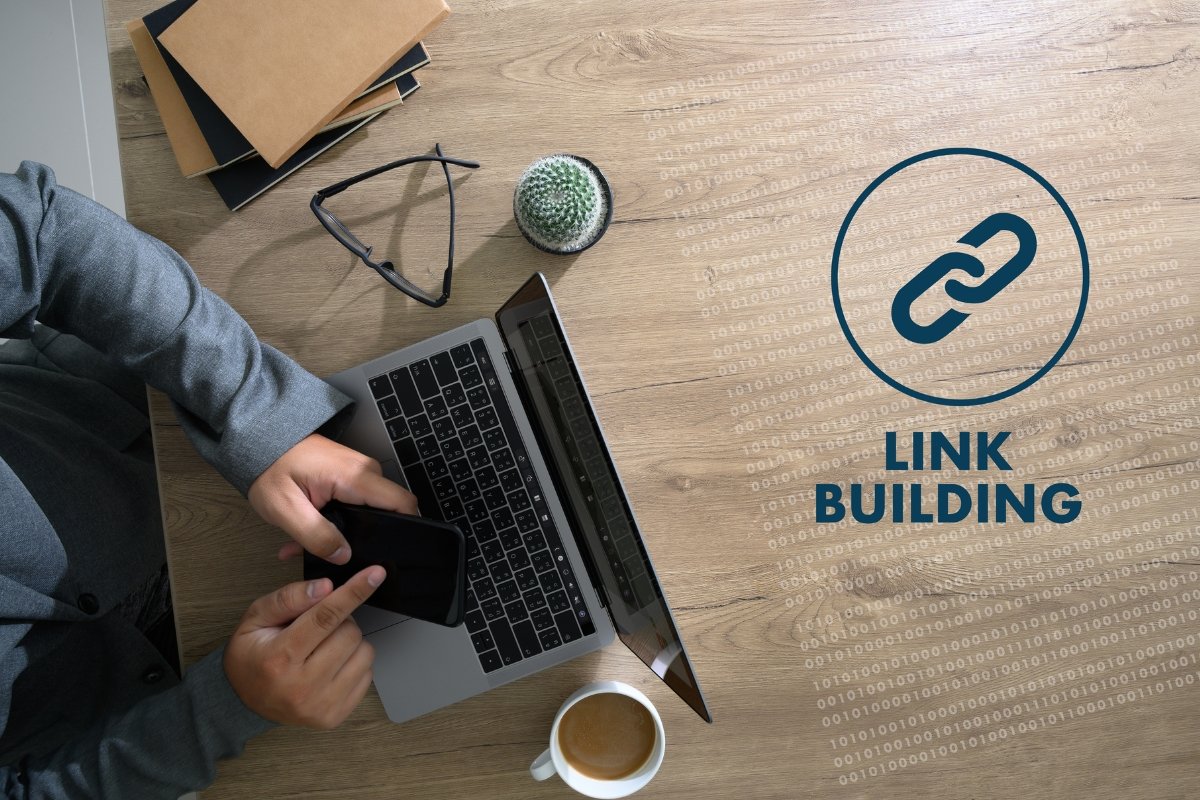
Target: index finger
(315, 625)
(372, 489)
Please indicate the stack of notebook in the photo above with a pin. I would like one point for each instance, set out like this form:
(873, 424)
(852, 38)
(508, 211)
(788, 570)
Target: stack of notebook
(249, 92)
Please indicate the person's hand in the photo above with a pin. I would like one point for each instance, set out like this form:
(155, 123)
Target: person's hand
(298, 658)
(316, 470)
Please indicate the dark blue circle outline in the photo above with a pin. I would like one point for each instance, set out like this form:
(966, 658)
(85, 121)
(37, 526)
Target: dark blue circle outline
(1045, 184)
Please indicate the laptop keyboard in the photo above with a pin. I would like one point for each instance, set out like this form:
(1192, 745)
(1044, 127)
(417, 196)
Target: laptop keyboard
(458, 446)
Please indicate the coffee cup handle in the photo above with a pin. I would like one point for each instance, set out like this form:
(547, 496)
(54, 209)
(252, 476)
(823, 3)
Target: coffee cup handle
(542, 767)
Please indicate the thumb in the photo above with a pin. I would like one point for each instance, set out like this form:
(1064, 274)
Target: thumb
(301, 520)
(283, 605)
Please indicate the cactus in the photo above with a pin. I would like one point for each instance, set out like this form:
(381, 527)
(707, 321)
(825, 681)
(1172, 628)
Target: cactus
(562, 204)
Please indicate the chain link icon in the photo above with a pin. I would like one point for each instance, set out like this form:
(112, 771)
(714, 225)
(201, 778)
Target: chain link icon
(946, 263)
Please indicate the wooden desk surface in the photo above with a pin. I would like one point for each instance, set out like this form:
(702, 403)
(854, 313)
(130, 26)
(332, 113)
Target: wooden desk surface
(736, 136)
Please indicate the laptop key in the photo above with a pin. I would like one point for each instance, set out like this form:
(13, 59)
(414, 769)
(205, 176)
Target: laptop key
(487, 418)
(535, 540)
(477, 396)
(443, 368)
(470, 436)
(494, 439)
(494, 497)
(527, 639)
(567, 626)
(454, 394)
(491, 550)
(511, 480)
(503, 459)
(506, 643)
(452, 508)
(475, 621)
(502, 517)
(468, 490)
(534, 599)
(549, 639)
(501, 571)
(472, 547)
(418, 482)
(490, 661)
(419, 425)
(511, 538)
(543, 560)
(397, 428)
(461, 355)
(484, 531)
(472, 601)
(470, 376)
(406, 390)
(485, 590)
(406, 450)
(443, 429)
(487, 478)
(482, 641)
(444, 487)
(527, 522)
(515, 611)
(422, 375)
(460, 470)
(557, 602)
(388, 407)
(526, 579)
(436, 467)
(435, 407)
(508, 591)
(476, 569)
(519, 500)
(541, 619)
(478, 457)
(492, 609)
(550, 581)
(428, 447)
(452, 449)
(462, 416)
(381, 387)
(476, 511)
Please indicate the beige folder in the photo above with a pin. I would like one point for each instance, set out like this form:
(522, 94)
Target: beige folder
(282, 69)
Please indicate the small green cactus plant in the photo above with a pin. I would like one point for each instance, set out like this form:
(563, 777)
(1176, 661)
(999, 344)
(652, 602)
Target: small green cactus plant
(562, 204)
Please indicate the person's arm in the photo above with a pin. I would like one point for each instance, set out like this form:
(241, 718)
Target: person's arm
(72, 264)
(296, 658)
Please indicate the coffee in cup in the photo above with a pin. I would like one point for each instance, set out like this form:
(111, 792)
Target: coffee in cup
(607, 741)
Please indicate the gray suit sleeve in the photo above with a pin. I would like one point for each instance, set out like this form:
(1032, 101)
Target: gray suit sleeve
(164, 746)
(72, 264)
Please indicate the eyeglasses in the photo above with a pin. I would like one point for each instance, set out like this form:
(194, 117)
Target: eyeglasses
(352, 243)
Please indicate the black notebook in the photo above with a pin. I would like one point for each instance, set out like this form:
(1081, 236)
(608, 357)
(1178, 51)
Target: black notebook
(224, 139)
(240, 183)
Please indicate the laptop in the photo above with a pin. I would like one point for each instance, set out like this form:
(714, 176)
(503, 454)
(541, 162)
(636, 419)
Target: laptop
(490, 426)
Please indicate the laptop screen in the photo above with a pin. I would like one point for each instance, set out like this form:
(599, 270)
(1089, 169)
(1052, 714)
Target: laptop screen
(591, 490)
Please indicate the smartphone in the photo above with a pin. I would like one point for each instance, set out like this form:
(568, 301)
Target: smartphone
(426, 561)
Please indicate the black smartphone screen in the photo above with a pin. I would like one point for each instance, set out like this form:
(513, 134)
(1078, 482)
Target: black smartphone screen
(425, 561)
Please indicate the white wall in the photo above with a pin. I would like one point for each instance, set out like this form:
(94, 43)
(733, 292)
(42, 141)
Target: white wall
(56, 99)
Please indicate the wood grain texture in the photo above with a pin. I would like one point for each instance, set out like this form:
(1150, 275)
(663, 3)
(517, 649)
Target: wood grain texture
(670, 99)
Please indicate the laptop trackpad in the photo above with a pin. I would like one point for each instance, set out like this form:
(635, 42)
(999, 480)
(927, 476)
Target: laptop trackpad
(420, 667)
(371, 619)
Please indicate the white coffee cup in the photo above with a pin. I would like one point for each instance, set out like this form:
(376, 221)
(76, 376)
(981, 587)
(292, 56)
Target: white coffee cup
(553, 762)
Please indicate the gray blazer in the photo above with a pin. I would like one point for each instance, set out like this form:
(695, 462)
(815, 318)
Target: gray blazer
(88, 707)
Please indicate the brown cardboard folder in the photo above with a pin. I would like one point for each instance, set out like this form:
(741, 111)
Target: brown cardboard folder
(282, 69)
(187, 141)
